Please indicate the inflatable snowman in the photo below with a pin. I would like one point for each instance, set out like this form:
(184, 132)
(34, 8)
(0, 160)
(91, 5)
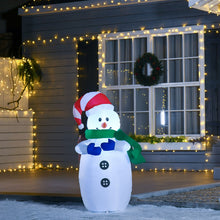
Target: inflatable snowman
(105, 175)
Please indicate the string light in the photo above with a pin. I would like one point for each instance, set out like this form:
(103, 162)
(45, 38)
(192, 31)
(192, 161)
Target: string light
(42, 9)
(57, 167)
(38, 40)
(10, 83)
(23, 168)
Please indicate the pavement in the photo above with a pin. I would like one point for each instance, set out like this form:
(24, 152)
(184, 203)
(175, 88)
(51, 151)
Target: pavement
(204, 196)
(176, 188)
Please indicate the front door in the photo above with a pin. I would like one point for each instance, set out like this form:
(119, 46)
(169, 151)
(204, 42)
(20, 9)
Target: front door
(88, 66)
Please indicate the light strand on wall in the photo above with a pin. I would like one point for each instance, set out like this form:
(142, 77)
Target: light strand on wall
(66, 7)
(10, 83)
(56, 8)
(57, 167)
(55, 39)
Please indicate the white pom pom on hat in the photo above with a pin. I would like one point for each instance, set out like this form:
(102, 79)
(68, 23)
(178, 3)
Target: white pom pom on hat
(91, 102)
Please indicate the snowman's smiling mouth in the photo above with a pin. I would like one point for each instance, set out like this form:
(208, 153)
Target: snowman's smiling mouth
(104, 129)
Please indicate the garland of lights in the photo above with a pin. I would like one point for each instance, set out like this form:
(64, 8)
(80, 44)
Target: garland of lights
(169, 139)
(154, 140)
(155, 73)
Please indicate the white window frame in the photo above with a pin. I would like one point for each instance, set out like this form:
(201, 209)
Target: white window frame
(150, 34)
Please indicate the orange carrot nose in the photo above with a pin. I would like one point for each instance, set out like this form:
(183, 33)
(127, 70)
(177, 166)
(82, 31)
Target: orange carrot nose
(104, 125)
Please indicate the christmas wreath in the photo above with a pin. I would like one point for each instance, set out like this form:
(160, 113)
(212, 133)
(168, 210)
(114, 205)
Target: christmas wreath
(155, 73)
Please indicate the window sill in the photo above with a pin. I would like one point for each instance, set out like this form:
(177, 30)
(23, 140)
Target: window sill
(172, 146)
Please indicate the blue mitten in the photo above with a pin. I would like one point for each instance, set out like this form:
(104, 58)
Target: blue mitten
(108, 146)
(91, 149)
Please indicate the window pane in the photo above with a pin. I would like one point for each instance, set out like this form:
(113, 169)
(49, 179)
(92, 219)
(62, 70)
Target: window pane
(176, 71)
(163, 77)
(192, 97)
(140, 47)
(191, 70)
(160, 47)
(125, 50)
(161, 123)
(111, 74)
(111, 51)
(127, 123)
(113, 96)
(142, 123)
(142, 100)
(127, 100)
(175, 46)
(192, 123)
(126, 74)
(191, 45)
(176, 98)
(176, 123)
(161, 101)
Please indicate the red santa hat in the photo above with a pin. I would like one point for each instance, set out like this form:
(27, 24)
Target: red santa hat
(91, 102)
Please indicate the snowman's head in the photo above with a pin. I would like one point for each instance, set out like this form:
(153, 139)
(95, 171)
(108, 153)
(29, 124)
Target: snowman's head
(106, 119)
(99, 110)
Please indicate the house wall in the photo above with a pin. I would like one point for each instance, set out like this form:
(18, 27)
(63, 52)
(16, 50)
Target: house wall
(52, 101)
(16, 140)
(182, 160)
(56, 130)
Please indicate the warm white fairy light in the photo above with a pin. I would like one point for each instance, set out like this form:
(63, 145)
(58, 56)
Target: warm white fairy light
(42, 9)
(153, 32)
(58, 8)
(11, 85)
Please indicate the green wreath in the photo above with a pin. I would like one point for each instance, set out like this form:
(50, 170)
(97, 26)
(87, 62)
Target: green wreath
(156, 69)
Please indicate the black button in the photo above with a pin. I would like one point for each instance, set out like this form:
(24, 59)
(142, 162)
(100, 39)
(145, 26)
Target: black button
(104, 165)
(105, 182)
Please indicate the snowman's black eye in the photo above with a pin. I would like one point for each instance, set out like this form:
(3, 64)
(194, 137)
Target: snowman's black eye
(107, 119)
(100, 119)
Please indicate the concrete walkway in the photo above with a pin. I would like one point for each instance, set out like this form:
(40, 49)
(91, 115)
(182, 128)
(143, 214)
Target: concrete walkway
(206, 196)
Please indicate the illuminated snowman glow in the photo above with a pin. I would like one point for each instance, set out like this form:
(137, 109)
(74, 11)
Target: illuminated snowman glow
(105, 175)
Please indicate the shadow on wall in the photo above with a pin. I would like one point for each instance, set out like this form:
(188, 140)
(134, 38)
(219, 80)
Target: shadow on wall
(10, 32)
(6, 45)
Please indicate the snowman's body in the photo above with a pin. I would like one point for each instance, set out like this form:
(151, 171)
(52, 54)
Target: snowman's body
(106, 178)
(105, 181)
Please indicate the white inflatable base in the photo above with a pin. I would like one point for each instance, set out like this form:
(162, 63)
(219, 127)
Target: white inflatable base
(105, 181)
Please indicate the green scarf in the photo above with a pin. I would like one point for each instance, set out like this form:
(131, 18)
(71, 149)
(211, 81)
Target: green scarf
(135, 151)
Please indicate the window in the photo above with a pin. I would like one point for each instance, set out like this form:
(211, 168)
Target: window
(175, 106)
